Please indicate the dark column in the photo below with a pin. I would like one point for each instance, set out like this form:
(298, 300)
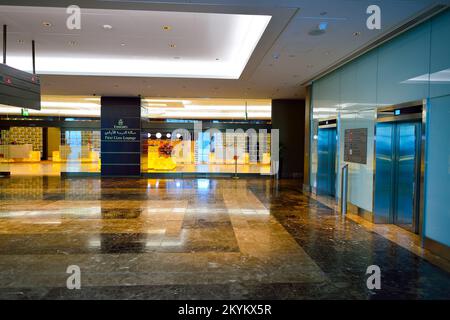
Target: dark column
(121, 136)
(289, 117)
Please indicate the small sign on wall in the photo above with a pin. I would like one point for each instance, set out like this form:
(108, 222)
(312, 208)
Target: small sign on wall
(355, 145)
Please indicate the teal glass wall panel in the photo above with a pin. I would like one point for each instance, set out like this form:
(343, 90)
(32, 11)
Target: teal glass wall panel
(327, 92)
(437, 191)
(400, 61)
(440, 56)
(360, 176)
(359, 83)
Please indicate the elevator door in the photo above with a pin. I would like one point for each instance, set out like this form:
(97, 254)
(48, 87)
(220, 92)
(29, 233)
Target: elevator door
(398, 173)
(326, 166)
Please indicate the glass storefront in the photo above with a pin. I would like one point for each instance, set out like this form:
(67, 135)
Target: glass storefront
(177, 136)
(213, 150)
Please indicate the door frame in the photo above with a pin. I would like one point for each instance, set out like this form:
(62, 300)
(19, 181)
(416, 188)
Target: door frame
(407, 118)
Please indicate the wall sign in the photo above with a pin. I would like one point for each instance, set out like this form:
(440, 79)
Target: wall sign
(355, 145)
(121, 136)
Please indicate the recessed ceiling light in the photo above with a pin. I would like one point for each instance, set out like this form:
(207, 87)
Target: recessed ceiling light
(72, 43)
(172, 45)
(107, 26)
(46, 24)
(20, 41)
(320, 29)
(276, 56)
(123, 44)
(167, 28)
(217, 59)
(356, 34)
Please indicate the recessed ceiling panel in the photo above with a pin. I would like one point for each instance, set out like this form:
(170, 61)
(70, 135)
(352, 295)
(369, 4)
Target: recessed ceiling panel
(133, 43)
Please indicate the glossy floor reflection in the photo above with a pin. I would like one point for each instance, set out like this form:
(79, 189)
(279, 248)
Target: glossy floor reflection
(193, 239)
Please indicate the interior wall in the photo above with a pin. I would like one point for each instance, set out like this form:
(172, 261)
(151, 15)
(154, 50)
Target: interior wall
(289, 117)
(53, 141)
(413, 66)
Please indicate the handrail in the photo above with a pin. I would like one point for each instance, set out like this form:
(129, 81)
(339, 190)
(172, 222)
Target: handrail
(344, 188)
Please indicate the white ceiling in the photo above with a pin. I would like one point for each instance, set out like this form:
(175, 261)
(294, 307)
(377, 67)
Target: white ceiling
(134, 42)
(285, 57)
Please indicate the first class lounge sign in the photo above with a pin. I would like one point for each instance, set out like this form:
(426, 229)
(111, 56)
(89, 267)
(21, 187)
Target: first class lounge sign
(121, 133)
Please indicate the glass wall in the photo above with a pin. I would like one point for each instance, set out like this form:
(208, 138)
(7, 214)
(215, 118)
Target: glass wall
(413, 66)
(212, 150)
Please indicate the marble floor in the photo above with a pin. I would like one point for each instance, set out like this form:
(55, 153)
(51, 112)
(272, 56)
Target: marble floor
(194, 239)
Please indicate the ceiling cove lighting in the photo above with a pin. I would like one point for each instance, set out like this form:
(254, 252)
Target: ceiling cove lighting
(240, 35)
(79, 106)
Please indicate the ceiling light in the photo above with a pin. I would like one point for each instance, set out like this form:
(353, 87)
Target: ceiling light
(46, 24)
(149, 135)
(168, 136)
(158, 135)
(356, 34)
(20, 41)
(323, 26)
(320, 29)
(72, 43)
(107, 26)
(123, 44)
(172, 45)
(167, 28)
(276, 56)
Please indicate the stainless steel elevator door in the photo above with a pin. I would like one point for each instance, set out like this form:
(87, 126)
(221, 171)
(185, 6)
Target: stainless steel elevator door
(397, 174)
(326, 166)
(384, 178)
(406, 160)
